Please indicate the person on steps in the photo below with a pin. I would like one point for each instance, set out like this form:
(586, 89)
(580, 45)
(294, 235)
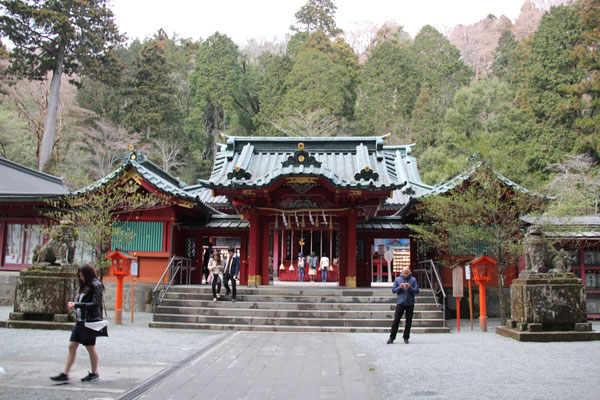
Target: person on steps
(215, 266)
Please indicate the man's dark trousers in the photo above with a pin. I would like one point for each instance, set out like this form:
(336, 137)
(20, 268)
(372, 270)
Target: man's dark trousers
(397, 316)
(226, 278)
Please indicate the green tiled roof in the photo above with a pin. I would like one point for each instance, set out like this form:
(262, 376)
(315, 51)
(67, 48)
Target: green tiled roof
(347, 162)
(151, 173)
(464, 176)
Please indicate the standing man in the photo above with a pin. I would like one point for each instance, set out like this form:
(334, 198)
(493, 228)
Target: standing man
(232, 268)
(405, 286)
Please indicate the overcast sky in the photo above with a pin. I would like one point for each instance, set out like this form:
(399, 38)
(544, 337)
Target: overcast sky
(270, 19)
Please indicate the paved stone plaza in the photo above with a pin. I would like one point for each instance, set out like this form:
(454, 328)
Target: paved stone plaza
(140, 362)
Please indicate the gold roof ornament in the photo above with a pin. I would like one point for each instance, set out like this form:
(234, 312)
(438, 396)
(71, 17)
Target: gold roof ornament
(301, 146)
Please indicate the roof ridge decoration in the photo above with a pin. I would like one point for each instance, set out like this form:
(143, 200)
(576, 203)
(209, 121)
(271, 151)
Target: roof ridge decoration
(301, 157)
(240, 171)
(363, 164)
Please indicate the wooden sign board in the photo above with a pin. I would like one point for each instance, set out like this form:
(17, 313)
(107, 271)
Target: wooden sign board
(457, 281)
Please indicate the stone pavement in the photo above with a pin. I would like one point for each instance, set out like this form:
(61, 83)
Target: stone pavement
(140, 362)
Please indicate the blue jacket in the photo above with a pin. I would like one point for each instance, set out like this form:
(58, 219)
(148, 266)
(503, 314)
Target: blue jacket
(235, 265)
(406, 297)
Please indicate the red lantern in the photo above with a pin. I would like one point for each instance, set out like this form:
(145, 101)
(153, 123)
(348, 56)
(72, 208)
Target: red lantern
(120, 261)
(481, 268)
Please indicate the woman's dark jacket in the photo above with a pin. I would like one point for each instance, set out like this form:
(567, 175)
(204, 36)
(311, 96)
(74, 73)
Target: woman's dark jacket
(91, 303)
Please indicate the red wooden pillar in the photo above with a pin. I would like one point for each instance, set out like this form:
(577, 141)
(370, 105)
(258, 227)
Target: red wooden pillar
(351, 250)
(254, 277)
(264, 259)
(276, 246)
(243, 260)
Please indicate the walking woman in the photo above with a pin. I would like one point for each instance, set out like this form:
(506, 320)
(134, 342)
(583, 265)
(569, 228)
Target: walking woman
(88, 308)
(215, 266)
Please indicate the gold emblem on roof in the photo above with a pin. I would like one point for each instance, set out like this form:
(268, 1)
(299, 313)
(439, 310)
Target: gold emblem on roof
(301, 146)
(301, 158)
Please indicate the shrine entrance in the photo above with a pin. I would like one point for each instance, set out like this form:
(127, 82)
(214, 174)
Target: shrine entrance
(286, 245)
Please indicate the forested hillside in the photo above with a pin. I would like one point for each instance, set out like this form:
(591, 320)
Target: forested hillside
(534, 116)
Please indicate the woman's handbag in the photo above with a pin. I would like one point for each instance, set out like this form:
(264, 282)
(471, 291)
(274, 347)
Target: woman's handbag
(96, 328)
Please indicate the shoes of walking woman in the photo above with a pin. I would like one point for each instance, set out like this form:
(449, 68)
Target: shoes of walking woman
(90, 377)
(60, 377)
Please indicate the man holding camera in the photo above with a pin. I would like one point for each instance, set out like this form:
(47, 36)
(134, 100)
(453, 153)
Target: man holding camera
(405, 286)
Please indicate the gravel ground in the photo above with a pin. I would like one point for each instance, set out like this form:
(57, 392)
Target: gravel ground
(459, 365)
(132, 354)
(474, 364)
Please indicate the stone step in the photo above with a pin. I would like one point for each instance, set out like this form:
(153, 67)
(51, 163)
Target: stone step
(298, 299)
(226, 303)
(298, 290)
(293, 309)
(292, 328)
(321, 322)
(275, 313)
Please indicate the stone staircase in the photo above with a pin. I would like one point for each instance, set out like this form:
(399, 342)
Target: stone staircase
(293, 309)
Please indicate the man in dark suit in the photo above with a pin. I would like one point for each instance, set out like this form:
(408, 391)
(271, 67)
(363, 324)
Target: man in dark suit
(230, 273)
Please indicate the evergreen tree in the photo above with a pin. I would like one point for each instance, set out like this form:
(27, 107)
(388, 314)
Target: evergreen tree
(504, 64)
(442, 73)
(546, 74)
(68, 37)
(322, 77)
(151, 107)
(272, 70)
(388, 90)
(587, 91)
(315, 15)
(213, 86)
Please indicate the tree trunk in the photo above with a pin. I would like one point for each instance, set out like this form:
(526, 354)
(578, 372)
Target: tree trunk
(501, 296)
(53, 99)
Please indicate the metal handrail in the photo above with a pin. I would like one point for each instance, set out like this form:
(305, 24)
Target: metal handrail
(435, 283)
(176, 264)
